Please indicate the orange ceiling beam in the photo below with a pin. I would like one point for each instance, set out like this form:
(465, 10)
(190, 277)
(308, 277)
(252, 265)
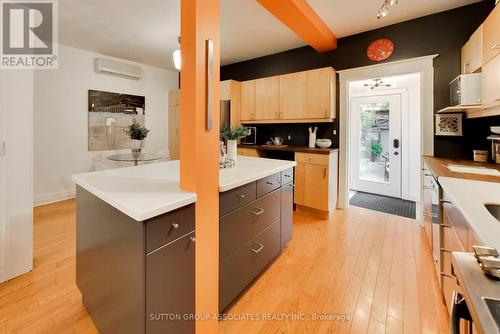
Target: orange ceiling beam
(303, 20)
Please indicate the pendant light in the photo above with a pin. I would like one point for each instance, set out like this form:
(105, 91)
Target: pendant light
(177, 56)
(384, 9)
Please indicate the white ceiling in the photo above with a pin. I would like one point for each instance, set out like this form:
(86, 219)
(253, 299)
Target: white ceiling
(396, 82)
(146, 32)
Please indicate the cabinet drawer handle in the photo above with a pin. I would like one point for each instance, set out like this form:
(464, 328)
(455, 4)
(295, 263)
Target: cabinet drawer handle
(286, 175)
(445, 201)
(427, 174)
(445, 226)
(427, 187)
(257, 211)
(175, 226)
(447, 275)
(240, 196)
(495, 46)
(257, 251)
(193, 239)
(269, 183)
(445, 250)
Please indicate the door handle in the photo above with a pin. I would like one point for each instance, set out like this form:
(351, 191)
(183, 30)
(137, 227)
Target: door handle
(395, 143)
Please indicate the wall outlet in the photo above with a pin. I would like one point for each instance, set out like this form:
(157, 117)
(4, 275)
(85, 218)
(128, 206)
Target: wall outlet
(334, 132)
(289, 137)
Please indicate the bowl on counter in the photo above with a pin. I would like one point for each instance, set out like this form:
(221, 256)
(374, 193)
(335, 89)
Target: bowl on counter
(323, 143)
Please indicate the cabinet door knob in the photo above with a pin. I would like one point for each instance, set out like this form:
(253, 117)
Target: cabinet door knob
(193, 239)
(175, 226)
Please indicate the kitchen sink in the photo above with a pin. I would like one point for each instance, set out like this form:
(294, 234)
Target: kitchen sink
(473, 170)
(494, 209)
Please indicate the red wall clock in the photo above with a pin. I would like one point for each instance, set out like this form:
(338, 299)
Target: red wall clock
(380, 49)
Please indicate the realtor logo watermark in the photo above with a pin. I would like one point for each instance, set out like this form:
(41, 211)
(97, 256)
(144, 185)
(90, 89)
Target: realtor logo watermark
(29, 34)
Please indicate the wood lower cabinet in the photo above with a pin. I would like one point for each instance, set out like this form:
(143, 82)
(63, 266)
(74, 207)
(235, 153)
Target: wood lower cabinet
(249, 152)
(491, 35)
(132, 274)
(316, 181)
(267, 99)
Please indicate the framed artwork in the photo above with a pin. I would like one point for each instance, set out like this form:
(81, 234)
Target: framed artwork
(109, 115)
(449, 125)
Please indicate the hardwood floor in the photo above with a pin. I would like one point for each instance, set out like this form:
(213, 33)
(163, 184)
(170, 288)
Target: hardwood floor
(370, 266)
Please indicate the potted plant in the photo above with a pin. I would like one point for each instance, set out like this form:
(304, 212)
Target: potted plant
(231, 135)
(376, 150)
(137, 133)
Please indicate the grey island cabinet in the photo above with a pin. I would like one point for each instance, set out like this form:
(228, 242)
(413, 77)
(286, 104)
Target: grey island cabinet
(135, 249)
(255, 225)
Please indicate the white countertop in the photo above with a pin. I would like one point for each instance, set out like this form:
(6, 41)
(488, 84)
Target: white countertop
(250, 169)
(141, 192)
(146, 191)
(470, 196)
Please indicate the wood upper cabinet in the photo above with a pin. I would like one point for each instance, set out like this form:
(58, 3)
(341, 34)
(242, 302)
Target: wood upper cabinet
(307, 96)
(293, 95)
(490, 82)
(472, 52)
(491, 35)
(316, 181)
(267, 98)
(230, 90)
(321, 85)
(247, 102)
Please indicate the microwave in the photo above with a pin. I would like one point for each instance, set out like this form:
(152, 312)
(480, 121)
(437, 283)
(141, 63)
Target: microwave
(466, 90)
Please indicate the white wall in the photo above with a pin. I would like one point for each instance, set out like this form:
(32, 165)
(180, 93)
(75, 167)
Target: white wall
(16, 173)
(60, 99)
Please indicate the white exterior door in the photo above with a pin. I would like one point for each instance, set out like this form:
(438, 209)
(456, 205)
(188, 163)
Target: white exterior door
(375, 144)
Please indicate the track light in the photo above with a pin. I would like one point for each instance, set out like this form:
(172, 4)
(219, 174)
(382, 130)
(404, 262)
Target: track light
(384, 10)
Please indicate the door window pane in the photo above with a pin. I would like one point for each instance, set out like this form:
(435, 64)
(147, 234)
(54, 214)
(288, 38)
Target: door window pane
(374, 142)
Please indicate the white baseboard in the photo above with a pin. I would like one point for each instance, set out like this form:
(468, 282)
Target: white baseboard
(52, 198)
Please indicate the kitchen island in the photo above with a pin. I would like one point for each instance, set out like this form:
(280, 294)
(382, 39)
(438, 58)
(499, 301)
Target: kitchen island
(135, 255)
(256, 216)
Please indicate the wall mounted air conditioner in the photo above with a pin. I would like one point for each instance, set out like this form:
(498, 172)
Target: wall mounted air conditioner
(108, 66)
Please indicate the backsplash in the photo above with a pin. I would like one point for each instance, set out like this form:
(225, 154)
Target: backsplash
(475, 132)
(298, 133)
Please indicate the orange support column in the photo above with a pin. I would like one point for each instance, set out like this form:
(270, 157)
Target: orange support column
(199, 147)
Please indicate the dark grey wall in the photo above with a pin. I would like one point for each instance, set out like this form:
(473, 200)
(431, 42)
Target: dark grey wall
(443, 33)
